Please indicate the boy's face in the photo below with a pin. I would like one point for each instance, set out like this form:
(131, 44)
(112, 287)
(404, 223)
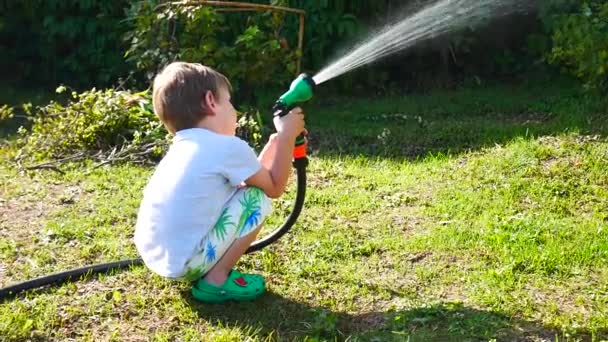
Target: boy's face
(225, 112)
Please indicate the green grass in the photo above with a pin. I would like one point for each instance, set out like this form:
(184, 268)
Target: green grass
(483, 220)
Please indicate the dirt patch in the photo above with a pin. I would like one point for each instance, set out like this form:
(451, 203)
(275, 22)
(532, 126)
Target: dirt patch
(527, 118)
(550, 163)
(111, 308)
(20, 219)
(23, 214)
(567, 298)
(419, 257)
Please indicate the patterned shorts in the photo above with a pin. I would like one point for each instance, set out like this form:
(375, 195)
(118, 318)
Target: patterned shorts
(241, 215)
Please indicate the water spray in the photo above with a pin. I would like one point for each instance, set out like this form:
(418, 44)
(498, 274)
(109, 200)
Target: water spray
(436, 19)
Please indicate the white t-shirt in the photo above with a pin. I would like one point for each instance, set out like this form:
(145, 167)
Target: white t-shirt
(185, 195)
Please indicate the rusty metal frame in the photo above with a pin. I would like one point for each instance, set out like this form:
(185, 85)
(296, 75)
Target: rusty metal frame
(235, 6)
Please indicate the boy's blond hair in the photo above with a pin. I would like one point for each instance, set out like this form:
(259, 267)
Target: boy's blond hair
(179, 93)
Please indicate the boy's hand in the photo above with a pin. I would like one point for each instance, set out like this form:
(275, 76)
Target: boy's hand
(277, 155)
(291, 124)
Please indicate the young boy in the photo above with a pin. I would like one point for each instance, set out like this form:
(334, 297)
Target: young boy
(207, 198)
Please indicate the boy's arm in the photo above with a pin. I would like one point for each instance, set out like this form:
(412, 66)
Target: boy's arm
(276, 157)
(273, 176)
(268, 152)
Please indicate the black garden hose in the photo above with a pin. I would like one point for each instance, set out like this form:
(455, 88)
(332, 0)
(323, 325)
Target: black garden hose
(300, 166)
(75, 274)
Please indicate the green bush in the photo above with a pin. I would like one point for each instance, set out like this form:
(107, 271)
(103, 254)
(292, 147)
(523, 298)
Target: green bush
(76, 42)
(329, 26)
(91, 122)
(248, 48)
(105, 124)
(250, 128)
(580, 39)
(6, 112)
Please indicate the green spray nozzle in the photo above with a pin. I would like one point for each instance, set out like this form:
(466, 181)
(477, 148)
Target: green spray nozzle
(300, 90)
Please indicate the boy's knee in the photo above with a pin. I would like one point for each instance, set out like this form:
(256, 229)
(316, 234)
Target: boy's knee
(257, 196)
(255, 206)
(251, 233)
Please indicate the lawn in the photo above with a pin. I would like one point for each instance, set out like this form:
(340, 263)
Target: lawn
(470, 215)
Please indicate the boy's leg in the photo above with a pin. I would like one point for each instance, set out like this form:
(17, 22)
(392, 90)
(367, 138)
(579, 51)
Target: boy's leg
(219, 273)
(239, 223)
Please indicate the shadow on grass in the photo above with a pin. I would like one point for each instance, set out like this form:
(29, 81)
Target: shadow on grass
(448, 123)
(284, 319)
(393, 142)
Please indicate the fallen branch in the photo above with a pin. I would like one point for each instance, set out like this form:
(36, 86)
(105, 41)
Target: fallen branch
(140, 154)
(53, 164)
(50, 167)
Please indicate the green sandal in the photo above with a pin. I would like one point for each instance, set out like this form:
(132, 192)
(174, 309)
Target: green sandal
(238, 287)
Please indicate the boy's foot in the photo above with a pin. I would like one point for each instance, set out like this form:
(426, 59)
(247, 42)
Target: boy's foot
(238, 287)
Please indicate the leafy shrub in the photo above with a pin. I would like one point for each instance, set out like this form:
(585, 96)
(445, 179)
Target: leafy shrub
(329, 26)
(6, 112)
(251, 129)
(91, 122)
(580, 39)
(63, 41)
(249, 56)
(107, 125)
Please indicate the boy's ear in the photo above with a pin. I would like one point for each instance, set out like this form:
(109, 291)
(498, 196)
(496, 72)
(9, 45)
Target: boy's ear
(208, 101)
